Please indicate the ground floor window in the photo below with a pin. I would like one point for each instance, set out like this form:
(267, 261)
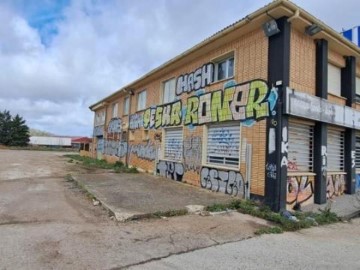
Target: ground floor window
(335, 150)
(357, 151)
(300, 147)
(223, 144)
(173, 144)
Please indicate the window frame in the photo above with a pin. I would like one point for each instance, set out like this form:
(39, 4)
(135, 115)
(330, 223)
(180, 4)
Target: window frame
(226, 58)
(334, 83)
(140, 106)
(164, 156)
(224, 165)
(115, 110)
(126, 105)
(164, 89)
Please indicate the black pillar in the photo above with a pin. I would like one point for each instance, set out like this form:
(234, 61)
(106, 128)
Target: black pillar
(348, 89)
(320, 131)
(277, 124)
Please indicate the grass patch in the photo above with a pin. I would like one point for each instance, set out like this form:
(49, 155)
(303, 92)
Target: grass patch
(269, 230)
(305, 219)
(118, 166)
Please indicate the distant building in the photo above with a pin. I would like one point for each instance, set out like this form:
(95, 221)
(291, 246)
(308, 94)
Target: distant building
(51, 141)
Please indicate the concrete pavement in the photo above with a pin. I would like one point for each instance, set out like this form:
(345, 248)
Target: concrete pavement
(135, 195)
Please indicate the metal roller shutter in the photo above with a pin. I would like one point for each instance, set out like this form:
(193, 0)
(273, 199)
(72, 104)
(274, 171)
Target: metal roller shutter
(335, 150)
(300, 147)
(223, 144)
(357, 152)
(173, 144)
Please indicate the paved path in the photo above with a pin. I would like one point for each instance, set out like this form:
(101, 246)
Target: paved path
(47, 223)
(331, 247)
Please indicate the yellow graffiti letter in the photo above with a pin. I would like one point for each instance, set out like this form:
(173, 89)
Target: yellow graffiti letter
(192, 110)
(176, 114)
(257, 107)
(158, 115)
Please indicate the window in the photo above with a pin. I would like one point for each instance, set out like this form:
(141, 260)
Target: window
(334, 80)
(126, 105)
(115, 110)
(173, 144)
(300, 148)
(223, 144)
(335, 150)
(224, 68)
(169, 91)
(141, 101)
(357, 83)
(100, 118)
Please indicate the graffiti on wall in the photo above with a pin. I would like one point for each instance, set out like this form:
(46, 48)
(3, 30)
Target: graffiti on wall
(271, 170)
(192, 153)
(114, 125)
(335, 185)
(163, 115)
(357, 185)
(246, 102)
(98, 131)
(169, 169)
(224, 142)
(299, 190)
(229, 182)
(144, 151)
(173, 149)
(136, 121)
(284, 147)
(196, 80)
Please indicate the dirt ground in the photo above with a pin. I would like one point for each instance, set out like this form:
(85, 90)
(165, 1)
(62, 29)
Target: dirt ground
(46, 222)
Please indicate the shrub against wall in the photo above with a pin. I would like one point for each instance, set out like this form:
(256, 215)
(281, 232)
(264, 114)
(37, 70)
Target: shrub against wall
(13, 130)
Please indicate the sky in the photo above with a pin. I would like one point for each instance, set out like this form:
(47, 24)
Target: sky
(58, 57)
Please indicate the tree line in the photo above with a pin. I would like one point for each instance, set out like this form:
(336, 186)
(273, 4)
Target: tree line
(13, 130)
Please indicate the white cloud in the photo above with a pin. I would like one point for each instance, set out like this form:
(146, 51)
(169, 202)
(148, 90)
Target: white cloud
(103, 45)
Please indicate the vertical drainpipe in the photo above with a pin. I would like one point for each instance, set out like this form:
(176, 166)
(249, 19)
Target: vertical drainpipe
(131, 93)
(277, 125)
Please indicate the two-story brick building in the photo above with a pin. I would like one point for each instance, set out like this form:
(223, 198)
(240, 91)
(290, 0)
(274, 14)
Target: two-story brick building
(263, 108)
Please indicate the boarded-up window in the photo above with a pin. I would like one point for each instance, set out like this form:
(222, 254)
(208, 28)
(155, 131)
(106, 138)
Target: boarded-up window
(173, 144)
(334, 79)
(335, 150)
(223, 144)
(300, 148)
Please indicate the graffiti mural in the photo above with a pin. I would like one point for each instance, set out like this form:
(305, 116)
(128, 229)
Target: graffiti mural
(136, 121)
(144, 151)
(196, 80)
(163, 115)
(335, 185)
(114, 125)
(229, 182)
(169, 169)
(357, 186)
(271, 170)
(246, 102)
(299, 190)
(192, 153)
(284, 147)
(98, 131)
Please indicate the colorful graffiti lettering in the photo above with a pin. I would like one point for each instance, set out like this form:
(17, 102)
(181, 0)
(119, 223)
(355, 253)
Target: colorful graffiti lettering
(136, 121)
(229, 182)
(114, 125)
(292, 166)
(163, 115)
(244, 102)
(120, 149)
(169, 169)
(98, 131)
(335, 185)
(200, 78)
(192, 154)
(299, 189)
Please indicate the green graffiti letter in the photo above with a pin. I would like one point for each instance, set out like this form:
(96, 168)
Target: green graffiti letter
(192, 110)
(257, 107)
(220, 111)
(239, 102)
(146, 118)
(158, 116)
(175, 118)
(166, 115)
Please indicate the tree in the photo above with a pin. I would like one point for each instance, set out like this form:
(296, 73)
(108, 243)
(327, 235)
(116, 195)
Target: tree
(13, 130)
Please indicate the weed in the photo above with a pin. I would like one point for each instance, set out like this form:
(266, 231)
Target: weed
(269, 230)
